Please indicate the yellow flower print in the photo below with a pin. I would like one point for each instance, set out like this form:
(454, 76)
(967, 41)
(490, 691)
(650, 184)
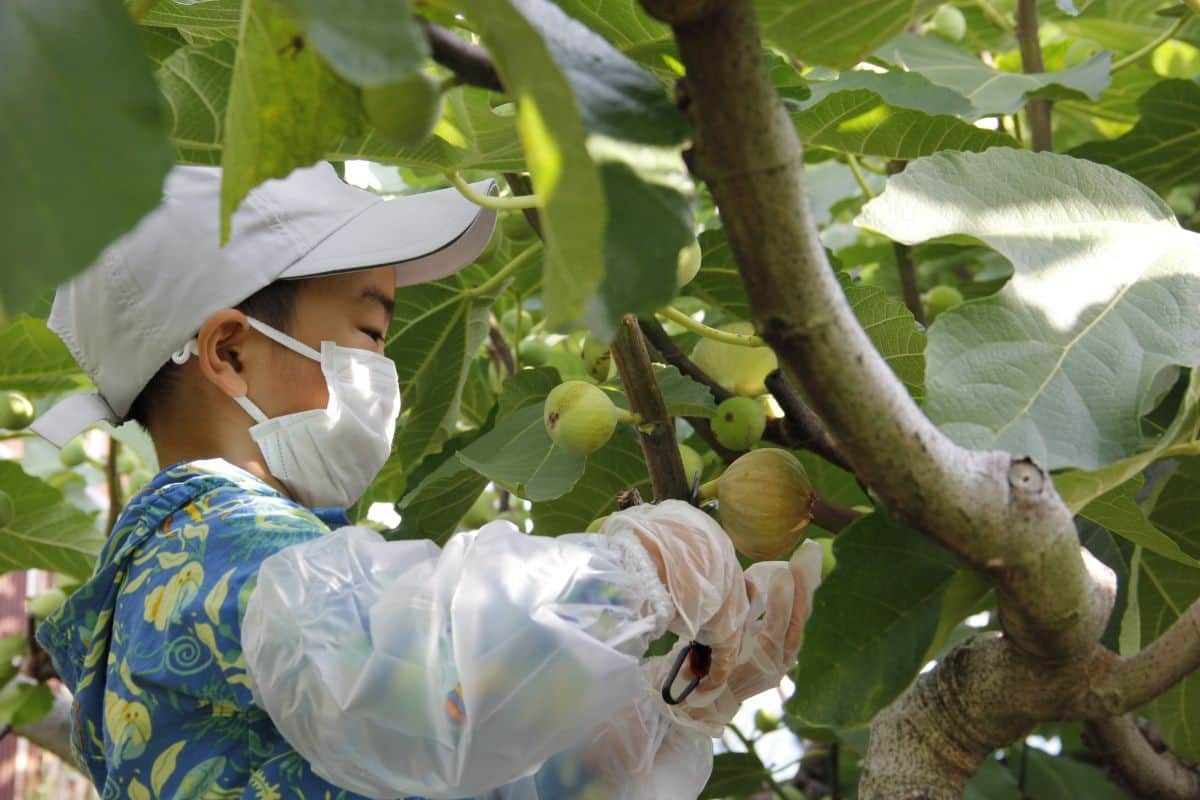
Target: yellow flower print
(165, 601)
(128, 724)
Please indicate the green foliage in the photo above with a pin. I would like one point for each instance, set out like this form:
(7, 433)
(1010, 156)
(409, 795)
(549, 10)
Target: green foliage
(46, 531)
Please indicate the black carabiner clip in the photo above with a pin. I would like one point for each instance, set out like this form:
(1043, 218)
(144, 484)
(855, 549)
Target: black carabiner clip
(701, 660)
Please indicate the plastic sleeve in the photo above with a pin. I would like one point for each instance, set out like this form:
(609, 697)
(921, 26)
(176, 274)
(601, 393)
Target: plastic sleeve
(397, 668)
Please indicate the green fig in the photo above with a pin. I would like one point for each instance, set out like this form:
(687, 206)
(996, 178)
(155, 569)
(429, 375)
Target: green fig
(739, 423)
(16, 412)
(406, 111)
(579, 417)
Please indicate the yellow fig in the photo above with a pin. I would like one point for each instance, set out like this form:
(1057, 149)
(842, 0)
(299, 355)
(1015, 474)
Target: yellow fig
(766, 502)
(579, 417)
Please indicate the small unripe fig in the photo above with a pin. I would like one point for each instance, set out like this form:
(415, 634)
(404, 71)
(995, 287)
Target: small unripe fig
(533, 352)
(516, 227)
(404, 111)
(16, 412)
(689, 263)
(828, 559)
(518, 518)
(579, 416)
(481, 511)
(8, 509)
(948, 22)
(739, 423)
(693, 464)
(595, 525)
(510, 320)
(766, 502)
(765, 720)
(597, 359)
(941, 298)
(740, 370)
(73, 454)
(44, 604)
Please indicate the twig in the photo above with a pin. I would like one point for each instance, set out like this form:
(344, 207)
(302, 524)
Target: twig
(852, 162)
(804, 428)
(468, 61)
(1037, 110)
(521, 185)
(113, 477)
(1166, 661)
(1148, 773)
(709, 332)
(505, 272)
(904, 263)
(516, 202)
(499, 347)
(657, 431)
(831, 516)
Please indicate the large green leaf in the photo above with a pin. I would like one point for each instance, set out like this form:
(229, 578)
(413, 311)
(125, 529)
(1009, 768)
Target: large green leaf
(437, 329)
(1166, 590)
(369, 42)
(1061, 364)
(197, 21)
(1163, 149)
(887, 321)
(35, 361)
(735, 774)
(47, 532)
(1050, 776)
(617, 466)
(84, 148)
(1118, 511)
(990, 90)
(873, 620)
(859, 121)
(286, 106)
(627, 27)
(896, 88)
(832, 33)
(1080, 487)
(195, 82)
(433, 508)
(684, 397)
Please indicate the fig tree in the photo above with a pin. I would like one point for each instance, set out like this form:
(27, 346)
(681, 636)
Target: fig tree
(941, 298)
(16, 412)
(766, 501)
(579, 417)
(8, 509)
(689, 263)
(739, 423)
(404, 111)
(739, 369)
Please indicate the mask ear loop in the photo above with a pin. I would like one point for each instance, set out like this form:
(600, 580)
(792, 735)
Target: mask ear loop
(192, 348)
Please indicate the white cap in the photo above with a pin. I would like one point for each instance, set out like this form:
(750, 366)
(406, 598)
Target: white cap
(148, 293)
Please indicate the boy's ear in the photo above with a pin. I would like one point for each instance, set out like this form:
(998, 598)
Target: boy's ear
(223, 341)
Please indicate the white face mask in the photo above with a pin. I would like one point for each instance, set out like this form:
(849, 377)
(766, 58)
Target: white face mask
(329, 456)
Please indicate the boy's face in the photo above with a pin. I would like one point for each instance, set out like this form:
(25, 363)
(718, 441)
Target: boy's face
(353, 309)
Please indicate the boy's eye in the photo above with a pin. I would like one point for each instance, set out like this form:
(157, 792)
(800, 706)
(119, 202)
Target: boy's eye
(374, 334)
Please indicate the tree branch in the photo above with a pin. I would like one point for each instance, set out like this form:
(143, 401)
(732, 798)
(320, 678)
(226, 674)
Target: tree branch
(470, 62)
(1037, 109)
(498, 347)
(1000, 514)
(112, 477)
(802, 426)
(657, 430)
(1145, 771)
(1166, 661)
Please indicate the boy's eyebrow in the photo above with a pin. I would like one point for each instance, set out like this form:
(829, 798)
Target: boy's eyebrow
(388, 303)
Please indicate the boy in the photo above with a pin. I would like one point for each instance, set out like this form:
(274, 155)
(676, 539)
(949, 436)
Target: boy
(239, 638)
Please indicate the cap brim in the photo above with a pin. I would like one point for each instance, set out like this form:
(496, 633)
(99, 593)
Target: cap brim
(427, 236)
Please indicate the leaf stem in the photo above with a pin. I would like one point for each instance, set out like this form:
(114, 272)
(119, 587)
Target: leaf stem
(486, 201)
(1136, 55)
(1183, 449)
(1037, 109)
(740, 339)
(852, 162)
(994, 16)
(506, 271)
(113, 477)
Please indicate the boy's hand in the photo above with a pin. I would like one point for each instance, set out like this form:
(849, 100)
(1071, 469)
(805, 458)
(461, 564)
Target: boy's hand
(697, 564)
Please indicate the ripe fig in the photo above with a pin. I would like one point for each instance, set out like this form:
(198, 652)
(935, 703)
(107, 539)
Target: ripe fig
(941, 298)
(739, 423)
(766, 502)
(740, 370)
(689, 263)
(579, 417)
(404, 111)
(8, 509)
(16, 412)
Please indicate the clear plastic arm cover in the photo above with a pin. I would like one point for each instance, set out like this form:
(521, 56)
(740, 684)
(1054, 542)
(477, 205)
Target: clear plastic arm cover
(397, 668)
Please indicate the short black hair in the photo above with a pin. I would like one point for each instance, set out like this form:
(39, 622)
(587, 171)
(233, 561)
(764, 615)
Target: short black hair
(274, 305)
